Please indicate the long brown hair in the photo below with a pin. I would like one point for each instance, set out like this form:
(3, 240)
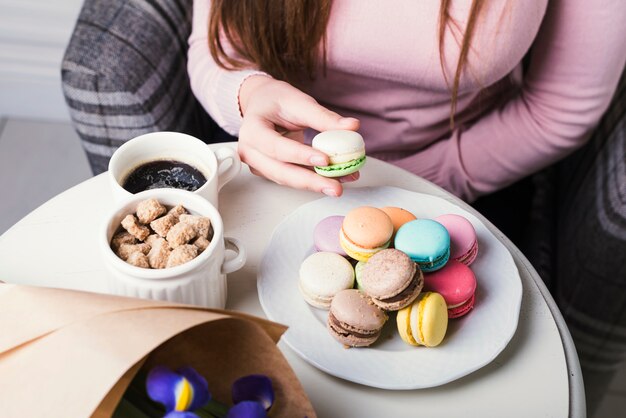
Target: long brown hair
(444, 21)
(282, 37)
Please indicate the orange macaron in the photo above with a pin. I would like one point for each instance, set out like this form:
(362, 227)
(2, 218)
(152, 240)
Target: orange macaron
(398, 217)
(365, 231)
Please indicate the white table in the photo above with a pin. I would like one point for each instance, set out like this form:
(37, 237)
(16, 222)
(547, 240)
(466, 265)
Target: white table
(538, 374)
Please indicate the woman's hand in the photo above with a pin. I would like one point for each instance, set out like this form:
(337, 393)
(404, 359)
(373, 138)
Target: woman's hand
(271, 138)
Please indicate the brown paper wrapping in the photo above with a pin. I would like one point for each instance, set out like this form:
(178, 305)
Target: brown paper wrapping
(66, 353)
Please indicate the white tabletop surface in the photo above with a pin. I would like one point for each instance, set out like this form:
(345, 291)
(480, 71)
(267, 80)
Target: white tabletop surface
(537, 374)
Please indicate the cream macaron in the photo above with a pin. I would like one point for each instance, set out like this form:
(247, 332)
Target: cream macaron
(322, 276)
(345, 150)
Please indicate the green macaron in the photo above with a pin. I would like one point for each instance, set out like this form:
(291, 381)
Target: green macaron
(345, 150)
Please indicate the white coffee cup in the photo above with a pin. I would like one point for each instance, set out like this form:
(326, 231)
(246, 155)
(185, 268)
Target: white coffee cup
(176, 146)
(201, 281)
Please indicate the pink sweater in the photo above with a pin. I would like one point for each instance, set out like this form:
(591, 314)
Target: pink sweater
(383, 68)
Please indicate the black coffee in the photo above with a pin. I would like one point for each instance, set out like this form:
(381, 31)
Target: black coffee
(162, 174)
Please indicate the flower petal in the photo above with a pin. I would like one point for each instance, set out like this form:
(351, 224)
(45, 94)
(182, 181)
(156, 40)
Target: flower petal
(255, 387)
(184, 395)
(201, 394)
(179, 414)
(161, 386)
(247, 409)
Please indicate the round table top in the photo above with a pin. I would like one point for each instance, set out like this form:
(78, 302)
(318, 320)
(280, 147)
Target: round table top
(536, 374)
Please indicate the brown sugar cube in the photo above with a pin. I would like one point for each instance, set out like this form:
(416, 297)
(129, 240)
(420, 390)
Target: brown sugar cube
(152, 238)
(182, 254)
(130, 224)
(126, 250)
(181, 234)
(148, 210)
(163, 224)
(202, 243)
(177, 211)
(159, 253)
(201, 223)
(122, 238)
(138, 259)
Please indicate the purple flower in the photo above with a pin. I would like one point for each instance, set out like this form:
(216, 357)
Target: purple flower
(247, 409)
(255, 387)
(184, 391)
(180, 391)
(184, 414)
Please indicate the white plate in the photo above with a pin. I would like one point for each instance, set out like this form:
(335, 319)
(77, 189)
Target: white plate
(470, 343)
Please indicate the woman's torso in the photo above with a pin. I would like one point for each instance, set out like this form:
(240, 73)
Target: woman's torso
(383, 66)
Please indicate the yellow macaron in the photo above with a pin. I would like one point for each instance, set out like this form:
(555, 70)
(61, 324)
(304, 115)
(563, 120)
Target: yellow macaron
(425, 321)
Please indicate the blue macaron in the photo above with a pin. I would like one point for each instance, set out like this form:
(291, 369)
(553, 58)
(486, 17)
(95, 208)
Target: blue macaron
(427, 242)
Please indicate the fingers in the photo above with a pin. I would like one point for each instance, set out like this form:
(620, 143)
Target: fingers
(271, 139)
(297, 136)
(288, 174)
(306, 112)
(349, 178)
(322, 119)
(289, 107)
(273, 156)
(262, 137)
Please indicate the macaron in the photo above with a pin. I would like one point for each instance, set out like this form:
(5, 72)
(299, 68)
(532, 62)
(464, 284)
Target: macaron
(425, 321)
(391, 279)
(463, 241)
(326, 235)
(358, 273)
(365, 231)
(398, 217)
(457, 284)
(427, 242)
(354, 320)
(345, 150)
(322, 276)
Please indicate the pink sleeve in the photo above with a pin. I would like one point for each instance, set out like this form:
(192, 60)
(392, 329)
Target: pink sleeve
(576, 62)
(215, 88)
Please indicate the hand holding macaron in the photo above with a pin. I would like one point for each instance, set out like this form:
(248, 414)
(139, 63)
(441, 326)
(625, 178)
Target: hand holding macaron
(271, 138)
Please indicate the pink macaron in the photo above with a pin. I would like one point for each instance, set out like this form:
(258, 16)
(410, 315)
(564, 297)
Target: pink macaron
(457, 284)
(463, 241)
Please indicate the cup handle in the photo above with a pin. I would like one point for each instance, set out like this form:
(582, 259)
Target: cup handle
(224, 174)
(237, 261)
